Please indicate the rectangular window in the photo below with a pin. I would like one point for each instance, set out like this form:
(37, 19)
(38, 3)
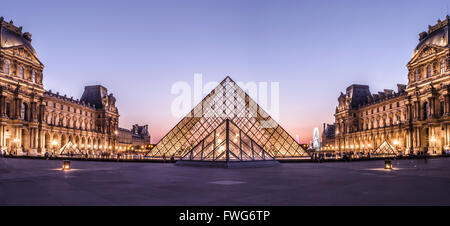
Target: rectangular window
(8, 110)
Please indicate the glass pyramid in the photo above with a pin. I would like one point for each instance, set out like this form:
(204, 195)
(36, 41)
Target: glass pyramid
(70, 149)
(227, 103)
(385, 150)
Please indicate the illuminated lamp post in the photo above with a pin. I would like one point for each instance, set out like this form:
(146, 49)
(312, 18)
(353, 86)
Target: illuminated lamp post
(66, 165)
(388, 164)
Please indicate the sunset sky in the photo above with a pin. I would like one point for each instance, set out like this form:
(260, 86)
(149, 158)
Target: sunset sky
(139, 49)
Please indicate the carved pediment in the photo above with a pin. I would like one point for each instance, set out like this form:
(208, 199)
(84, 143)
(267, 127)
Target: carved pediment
(24, 53)
(425, 51)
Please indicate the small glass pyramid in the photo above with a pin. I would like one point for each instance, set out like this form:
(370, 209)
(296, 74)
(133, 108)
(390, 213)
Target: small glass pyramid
(70, 149)
(199, 132)
(385, 150)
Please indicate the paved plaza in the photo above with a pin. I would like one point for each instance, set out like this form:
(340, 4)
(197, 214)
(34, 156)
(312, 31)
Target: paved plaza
(41, 182)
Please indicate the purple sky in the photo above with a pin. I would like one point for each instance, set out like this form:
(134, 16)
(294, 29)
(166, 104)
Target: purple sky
(138, 49)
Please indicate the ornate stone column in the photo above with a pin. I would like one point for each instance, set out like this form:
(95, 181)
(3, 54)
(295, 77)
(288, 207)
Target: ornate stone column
(17, 107)
(447, 104)
(2, 105)
(33, 112)
(416, 110)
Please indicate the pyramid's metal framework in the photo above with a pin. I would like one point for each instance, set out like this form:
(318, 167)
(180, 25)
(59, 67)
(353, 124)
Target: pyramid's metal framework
(228, 102)
(385, 150)
(70, 149)
(227, 143)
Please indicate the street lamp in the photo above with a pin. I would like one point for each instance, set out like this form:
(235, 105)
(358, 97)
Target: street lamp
(388, 164)
(66, 165)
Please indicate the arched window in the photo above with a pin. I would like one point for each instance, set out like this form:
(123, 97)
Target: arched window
(416, 75)
(21, 71)
(443, 66)
(6, 67)
(23, 111)
(429, 71)
(33, 76)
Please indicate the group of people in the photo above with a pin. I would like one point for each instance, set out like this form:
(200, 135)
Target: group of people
(5, 153)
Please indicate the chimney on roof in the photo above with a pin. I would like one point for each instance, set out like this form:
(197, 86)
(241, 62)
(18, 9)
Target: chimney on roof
(388, 92)
(422, 35)
(401, 88)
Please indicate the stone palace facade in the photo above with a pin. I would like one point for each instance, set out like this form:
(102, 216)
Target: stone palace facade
(34, 121)
(414, 119)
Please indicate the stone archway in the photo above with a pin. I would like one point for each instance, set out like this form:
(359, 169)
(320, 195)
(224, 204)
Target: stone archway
(47, 142)
(54, 143)
(25, 140)
(83, 144)
(89, 143)
(77, 141)
(63, 141)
